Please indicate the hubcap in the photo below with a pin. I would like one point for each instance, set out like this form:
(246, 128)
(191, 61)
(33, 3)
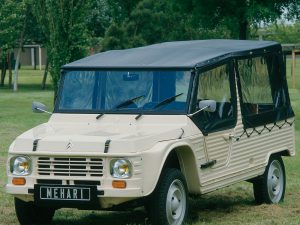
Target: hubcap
(176, 203)
(275, 181)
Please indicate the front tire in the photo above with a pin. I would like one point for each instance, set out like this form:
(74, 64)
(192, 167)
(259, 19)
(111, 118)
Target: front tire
(270, 187)
(30, 214)
(168, 204)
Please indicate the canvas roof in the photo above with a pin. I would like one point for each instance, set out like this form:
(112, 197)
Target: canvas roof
(179, 54)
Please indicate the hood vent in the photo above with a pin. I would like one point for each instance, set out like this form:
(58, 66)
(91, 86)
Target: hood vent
(106, 147)
(35, 144)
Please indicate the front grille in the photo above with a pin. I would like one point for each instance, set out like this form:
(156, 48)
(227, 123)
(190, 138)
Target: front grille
(61, 166)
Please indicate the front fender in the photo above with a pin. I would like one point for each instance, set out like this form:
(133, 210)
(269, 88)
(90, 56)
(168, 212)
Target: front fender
(155, 159)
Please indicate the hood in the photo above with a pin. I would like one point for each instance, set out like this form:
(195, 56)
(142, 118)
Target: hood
(84, 133)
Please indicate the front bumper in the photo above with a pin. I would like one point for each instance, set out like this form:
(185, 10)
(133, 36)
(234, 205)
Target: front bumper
(107, 195)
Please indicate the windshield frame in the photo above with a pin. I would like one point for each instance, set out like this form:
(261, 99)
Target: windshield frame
(123, 111)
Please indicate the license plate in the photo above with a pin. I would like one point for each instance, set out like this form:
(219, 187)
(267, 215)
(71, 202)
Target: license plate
(65, 193)
(68, 196)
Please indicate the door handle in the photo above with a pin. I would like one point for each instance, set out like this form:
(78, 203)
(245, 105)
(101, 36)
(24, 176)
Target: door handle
(229, 137)
(232, 136)
(208, 164)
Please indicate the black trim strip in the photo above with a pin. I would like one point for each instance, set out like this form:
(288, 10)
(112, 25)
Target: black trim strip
(87, 182)
(48, 181)
(106, 147)
(265, 127)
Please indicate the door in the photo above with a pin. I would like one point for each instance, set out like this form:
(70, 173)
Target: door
(217, 84)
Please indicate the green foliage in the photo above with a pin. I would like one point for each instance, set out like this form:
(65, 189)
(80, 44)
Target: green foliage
(237, 16)
(98, 19)
(64, 25)
(33, 32)
(154, 21)
(283, 33)
(69, 28)
(115, 37)
(293, 10)
(121, 10)
(12, 15)
(144, 22)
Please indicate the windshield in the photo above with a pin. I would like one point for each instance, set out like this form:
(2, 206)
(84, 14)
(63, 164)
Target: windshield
(124, 91)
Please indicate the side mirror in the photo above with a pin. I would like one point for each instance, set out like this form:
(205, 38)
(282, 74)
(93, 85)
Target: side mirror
(205, 105)
(208, 105)
(38, 107)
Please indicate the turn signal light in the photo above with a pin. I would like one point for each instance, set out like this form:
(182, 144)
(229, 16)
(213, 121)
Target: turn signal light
(119, 184)
(19, 181)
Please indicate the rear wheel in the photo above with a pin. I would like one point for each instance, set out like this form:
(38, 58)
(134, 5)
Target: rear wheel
(168, 204)
(30, 214)
(270, 187)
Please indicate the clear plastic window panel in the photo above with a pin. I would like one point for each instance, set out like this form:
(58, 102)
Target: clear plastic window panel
(255, 74)
(215, 85)
(109, 90)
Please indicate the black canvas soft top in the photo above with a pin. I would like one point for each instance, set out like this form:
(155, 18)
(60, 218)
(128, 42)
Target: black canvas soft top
(177, 55)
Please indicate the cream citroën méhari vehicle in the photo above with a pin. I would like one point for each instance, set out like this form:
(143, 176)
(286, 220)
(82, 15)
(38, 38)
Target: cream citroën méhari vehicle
(149, 125)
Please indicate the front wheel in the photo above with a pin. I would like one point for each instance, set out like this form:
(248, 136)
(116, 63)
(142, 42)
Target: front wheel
(29, 214)
(270, 187)
(168, 204)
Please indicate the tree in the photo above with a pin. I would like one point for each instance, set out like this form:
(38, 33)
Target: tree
(33, 32)
(116, 36)
(64, 26)
(141, 22)
(20, 45)
(98, 20)
(12, 15)
(152, 21)
(238, 15)
(120, 10)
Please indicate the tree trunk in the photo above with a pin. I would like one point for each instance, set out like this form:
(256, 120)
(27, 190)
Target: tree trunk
(3, 71)
(45, 76)
(9, 69)
(1, 65)
(34, 58)
(16, 71)
(244, 29)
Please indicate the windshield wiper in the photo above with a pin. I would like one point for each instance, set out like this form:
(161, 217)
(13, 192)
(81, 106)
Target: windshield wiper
(166, 101)
(129, 102)
(99, 116)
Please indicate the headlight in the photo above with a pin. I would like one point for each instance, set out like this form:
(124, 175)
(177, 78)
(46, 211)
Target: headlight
(20, 165)
(120, 168)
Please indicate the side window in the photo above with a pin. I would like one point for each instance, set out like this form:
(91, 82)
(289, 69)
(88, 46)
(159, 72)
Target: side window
(215, 85)
(255, 85)
(264, 97)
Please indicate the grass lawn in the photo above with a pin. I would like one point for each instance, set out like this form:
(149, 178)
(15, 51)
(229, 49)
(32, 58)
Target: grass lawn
(232, 205)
